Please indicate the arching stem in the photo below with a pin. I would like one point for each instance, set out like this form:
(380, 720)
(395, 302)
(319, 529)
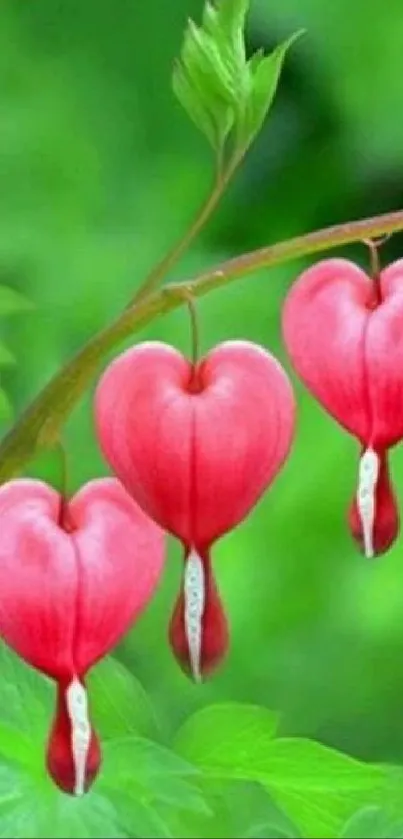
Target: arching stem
(40, 423)
(63, 483)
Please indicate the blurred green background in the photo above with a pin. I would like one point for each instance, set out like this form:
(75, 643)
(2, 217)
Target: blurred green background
(100, 170)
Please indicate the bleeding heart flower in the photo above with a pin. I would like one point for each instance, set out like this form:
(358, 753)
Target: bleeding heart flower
(196, 446)
(73, 578)
(344, 333)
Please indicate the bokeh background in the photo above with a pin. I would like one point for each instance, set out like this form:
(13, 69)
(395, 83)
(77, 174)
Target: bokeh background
(100, 170)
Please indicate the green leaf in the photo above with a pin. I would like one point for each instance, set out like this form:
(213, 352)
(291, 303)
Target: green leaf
(16, 746)
(232, 14)
(91, 816)
(12, 301)
(140, 781)
(139, 818)
(33, 808)
(202, 51)
(26, 697)
(264, 77)
(149, 760)
(142, 771)
(212, 71)
(204, 117)
(225, 95)
(317, 787)
(257, 815)
(203, 85)
(215, 736)
(119, 704)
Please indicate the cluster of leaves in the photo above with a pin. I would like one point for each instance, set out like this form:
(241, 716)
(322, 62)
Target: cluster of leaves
(226, 94)
(291, 787)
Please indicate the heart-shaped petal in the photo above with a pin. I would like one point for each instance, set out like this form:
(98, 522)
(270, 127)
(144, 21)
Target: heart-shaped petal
(344, 333)
(67, 598)
(348, 349)
(73, 577)
(195, 447)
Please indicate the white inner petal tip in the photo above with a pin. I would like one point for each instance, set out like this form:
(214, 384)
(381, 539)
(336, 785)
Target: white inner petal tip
(368, 474)
(194, 590)
(77, 709)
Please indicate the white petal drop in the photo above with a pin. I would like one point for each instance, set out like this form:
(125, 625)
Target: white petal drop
(77, 709)
(368, 474)
(194, 590)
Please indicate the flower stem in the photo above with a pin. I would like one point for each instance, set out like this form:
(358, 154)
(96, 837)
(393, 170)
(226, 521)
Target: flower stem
(374, 246)
(194, 329)
(159, 272)
(40, 423)
(63, 481)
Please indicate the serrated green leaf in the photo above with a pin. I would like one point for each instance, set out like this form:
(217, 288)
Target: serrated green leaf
(317, 787)
(232, 14)
(264, 77)
(225, 95)
(203, 84)
(204, 63)
(34, 808)
(208, 81)
(194, 106)
(181, 794)
(214, 736)
(16, 746)
(119, 704)
(225, 22)
(86, 818)
(7, 359)
(146, 758)
(142, 771)
(256, 60)
(26, 697)
(139, 782)
(139, 818)
(12, 301)
(257, 815)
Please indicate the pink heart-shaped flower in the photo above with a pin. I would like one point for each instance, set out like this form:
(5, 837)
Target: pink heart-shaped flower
(74, 576)
(345, 338)
(196, 446)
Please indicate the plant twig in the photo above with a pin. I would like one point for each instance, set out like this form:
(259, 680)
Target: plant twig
(159, 272)
(40, 423)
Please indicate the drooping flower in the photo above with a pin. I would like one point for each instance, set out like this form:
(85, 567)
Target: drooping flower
(196, 445)
(73, 577)
(343, 331)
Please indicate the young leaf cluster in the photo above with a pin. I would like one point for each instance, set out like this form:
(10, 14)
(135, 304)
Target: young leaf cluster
(226, 93)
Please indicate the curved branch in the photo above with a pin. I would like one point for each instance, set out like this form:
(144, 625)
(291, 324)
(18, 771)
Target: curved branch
(40, 423)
